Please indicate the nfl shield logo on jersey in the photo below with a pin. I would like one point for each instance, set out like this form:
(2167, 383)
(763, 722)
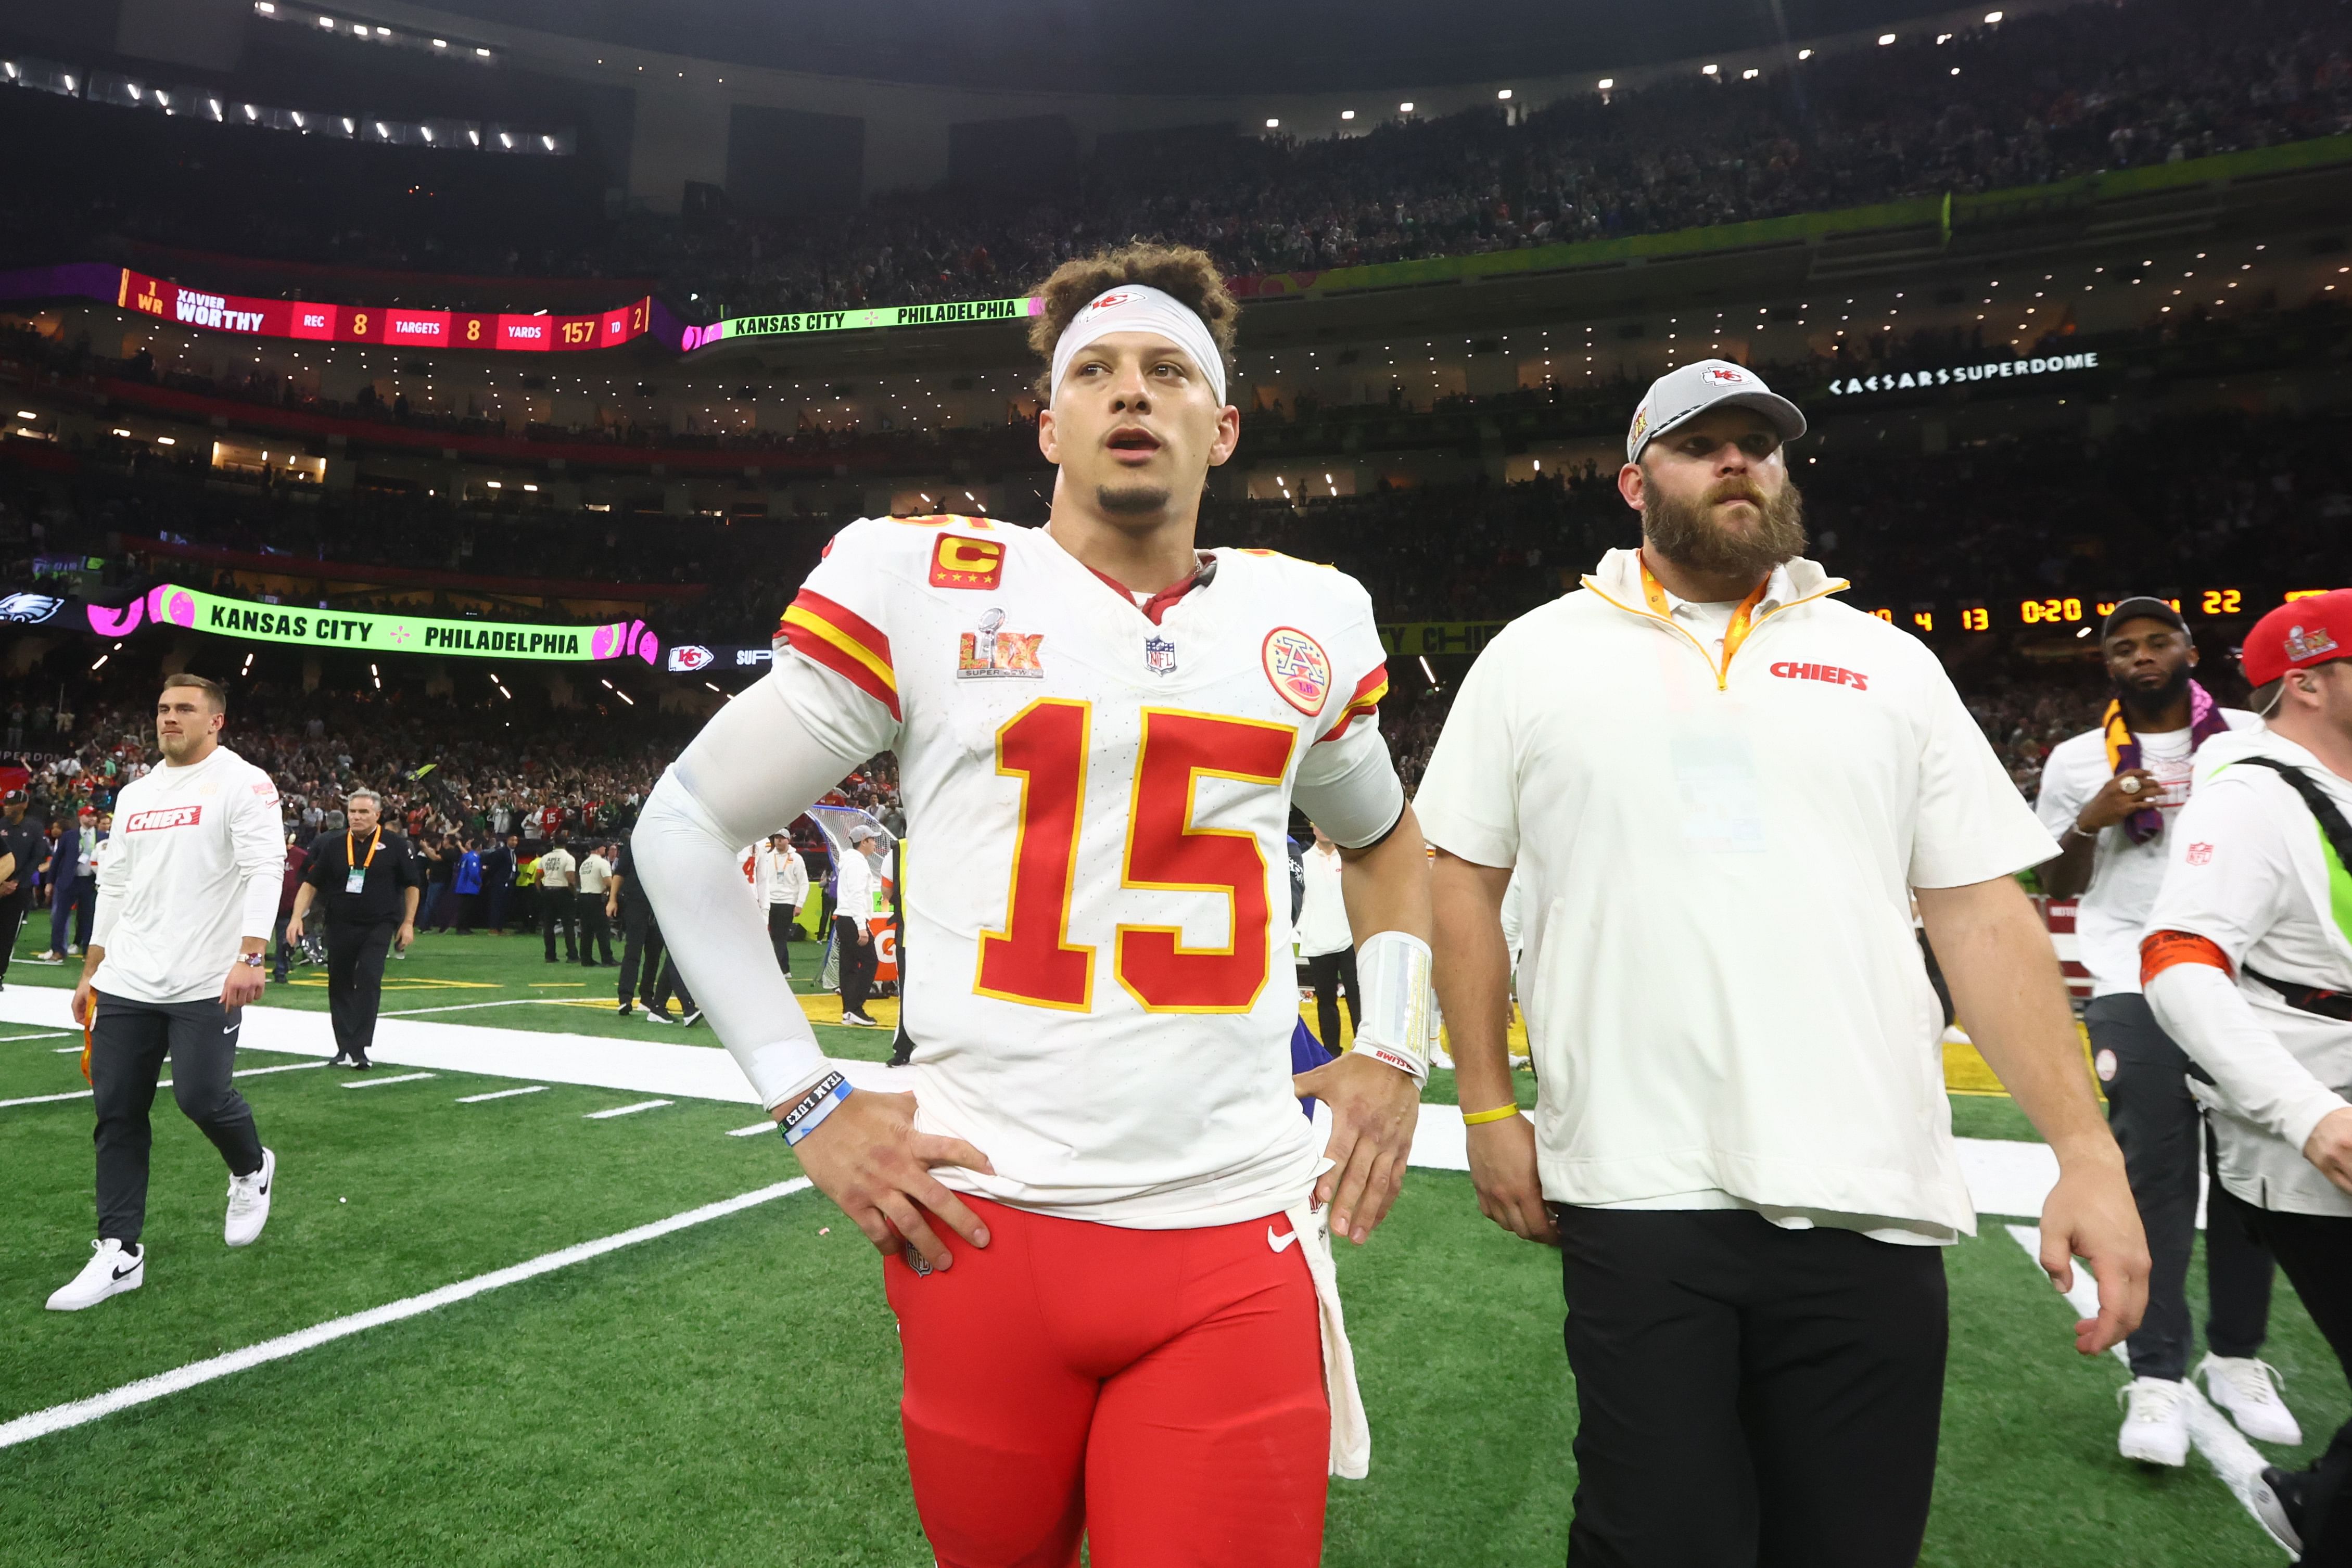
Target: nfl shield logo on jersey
(1160, 655)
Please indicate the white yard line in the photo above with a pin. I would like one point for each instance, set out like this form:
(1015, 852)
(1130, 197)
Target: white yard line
(753, 1130)
(469, 1006)
(2237, 1461)
(380, 1083)
(627, 1110)
(81, 1412)
(166, 1083)
(40, 1034)
(47, 1098)
(500, 1094)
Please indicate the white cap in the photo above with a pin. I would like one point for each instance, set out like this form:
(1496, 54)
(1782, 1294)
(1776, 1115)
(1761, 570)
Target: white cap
(1690, 391)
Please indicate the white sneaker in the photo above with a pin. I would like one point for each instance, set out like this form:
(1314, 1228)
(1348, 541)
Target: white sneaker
(2155, 1427)
(248, 1202)
(2243, 1386)
(113, 1269)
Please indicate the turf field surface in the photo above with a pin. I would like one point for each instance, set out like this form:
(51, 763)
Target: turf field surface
(726, 1391)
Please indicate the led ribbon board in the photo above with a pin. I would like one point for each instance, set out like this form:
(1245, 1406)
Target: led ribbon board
(191, 610)
(169, 301)
(800, 322)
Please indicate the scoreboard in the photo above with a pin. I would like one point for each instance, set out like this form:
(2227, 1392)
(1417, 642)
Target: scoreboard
(389, 325)
(2077, 613)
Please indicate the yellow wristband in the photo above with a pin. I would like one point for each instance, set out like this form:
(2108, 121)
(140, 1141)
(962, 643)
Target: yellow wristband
(1479, 1118)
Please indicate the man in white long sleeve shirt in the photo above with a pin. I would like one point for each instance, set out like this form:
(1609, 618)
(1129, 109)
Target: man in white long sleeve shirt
(2248, 964)
(788, 890)
(187, 896)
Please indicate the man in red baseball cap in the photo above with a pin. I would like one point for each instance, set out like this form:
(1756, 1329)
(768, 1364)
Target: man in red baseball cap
(2301, 635)
(2247, 965)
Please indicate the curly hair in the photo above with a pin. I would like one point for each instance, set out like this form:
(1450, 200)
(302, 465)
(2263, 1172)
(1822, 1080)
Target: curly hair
(1187, 274)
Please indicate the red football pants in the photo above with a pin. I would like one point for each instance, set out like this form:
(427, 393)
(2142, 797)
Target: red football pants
(1157, 1391)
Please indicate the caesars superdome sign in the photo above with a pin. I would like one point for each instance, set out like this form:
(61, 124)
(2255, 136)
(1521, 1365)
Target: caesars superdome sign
(1953, 375)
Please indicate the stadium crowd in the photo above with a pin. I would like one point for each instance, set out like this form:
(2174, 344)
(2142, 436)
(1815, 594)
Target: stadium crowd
(2034, 98)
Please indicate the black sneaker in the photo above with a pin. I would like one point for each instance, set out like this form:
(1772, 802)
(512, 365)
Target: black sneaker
(360, 1063)
(2278, 1497)
(341, 1059)
(692, 1018)
(660, 1014)
(623, 1010)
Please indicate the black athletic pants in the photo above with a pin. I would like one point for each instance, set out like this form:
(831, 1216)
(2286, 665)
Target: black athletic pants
(129, 1042)
(641, 952)
(1333, 975)
(560, 906)
(2161, 1132)
(855, 961)
(2316, 1251)
(11, 915)
(1748, 1396)
(780, 934)
(672, 983)
(596, 930)
(355, 955)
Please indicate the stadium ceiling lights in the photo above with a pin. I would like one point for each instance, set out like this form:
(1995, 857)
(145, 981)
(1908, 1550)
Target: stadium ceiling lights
(124, 92)
(326, 22)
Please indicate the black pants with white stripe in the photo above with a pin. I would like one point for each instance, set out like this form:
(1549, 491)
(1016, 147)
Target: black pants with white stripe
(1748, 1396)
(129, 1042)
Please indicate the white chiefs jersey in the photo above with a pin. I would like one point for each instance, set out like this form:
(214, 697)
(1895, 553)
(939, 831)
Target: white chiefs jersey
(1099, 986)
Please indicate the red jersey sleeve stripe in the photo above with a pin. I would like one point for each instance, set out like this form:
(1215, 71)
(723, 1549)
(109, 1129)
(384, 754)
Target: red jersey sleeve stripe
(845, 643)
(1366, 700)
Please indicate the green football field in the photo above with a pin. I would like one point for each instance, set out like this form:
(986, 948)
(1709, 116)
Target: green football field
(725, 1392)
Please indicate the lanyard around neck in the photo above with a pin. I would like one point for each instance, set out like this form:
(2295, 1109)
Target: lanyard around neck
(1742, 621)
(374, 845)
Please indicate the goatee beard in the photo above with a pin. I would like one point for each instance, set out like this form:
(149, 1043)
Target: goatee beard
(1691, 538)
(2148, 704)
(1135, 501)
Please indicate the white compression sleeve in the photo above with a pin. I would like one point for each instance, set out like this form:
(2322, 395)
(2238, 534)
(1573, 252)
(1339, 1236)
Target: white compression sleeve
(752, 771)
(2202, 1008)
(1350, 789)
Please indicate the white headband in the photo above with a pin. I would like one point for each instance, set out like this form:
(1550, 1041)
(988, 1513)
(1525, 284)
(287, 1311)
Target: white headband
(1140, 307)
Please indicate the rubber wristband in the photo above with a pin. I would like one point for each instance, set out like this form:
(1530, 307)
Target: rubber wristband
(814, 1107)
(1480, 1118)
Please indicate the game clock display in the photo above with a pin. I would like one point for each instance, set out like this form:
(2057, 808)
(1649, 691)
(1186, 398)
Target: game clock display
(2073, 611)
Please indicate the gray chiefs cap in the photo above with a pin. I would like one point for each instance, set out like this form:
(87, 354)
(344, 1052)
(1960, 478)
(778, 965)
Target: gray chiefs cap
(1687, 392)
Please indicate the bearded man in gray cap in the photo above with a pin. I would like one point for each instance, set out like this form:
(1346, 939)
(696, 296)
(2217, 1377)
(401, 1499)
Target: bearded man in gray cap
(1720, 789)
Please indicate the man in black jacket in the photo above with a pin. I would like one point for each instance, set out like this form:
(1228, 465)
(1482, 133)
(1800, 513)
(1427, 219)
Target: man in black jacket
(368, 880)
(23, 847)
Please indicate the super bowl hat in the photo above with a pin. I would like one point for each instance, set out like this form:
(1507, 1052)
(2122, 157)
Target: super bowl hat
(1685, 394)
(2298, 635)
(2141, 608)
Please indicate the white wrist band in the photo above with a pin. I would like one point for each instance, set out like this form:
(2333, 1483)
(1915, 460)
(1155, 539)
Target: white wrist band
(1398, 1022)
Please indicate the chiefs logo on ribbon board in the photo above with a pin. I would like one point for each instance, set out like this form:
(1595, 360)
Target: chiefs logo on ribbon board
(960, 562)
